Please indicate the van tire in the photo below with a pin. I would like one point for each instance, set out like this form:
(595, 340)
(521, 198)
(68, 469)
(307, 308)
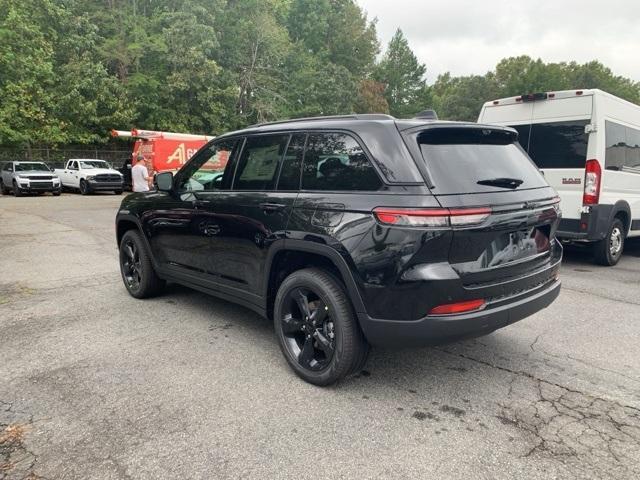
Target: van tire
(608, 251)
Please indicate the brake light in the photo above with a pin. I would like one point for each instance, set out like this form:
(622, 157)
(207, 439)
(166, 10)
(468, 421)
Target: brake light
(458, 307)
(431, 217)
(592, 179)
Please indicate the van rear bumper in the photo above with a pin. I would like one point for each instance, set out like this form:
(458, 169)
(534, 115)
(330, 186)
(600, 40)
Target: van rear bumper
(434, 330)
(590, 227)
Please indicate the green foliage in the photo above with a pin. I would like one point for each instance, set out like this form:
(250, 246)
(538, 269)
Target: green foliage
(460, 98)
(71, 70)
(403, 77)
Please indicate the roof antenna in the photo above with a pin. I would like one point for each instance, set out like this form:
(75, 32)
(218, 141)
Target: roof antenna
(427, 115)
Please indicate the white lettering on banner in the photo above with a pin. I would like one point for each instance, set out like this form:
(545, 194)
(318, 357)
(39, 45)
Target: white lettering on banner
(178, 155)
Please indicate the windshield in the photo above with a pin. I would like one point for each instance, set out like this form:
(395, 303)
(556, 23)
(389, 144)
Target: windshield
(555, 144)
(94, 164)
(31, 167)
(474, 160)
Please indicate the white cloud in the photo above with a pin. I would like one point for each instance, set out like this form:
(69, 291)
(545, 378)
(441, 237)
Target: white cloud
(470, 37)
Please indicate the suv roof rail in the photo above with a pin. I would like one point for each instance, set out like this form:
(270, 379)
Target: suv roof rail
(361, 116)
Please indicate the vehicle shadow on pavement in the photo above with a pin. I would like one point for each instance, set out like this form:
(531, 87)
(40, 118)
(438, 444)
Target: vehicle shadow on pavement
(583, 254)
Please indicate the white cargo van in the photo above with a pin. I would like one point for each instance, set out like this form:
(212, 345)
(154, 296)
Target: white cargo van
(587, 144)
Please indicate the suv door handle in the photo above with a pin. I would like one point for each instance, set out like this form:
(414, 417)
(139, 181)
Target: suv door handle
(272, 207)
(201, 203)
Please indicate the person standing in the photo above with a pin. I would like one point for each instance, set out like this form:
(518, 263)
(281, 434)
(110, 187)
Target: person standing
(140, 176)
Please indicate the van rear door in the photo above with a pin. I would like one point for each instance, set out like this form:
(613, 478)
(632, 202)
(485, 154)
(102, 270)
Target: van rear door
(513, 248)
(559, 149)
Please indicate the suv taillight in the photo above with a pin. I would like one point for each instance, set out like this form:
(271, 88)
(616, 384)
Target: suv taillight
(431, 217)
(592, 179)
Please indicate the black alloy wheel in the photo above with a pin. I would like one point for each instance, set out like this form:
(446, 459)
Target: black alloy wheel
(138, 274)
(131, 265)
(308, 329)
(316, 327)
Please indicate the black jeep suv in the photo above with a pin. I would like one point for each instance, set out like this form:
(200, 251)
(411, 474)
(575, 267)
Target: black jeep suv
(350, 231)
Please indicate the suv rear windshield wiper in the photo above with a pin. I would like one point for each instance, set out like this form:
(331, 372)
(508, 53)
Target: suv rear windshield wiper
(505, 182)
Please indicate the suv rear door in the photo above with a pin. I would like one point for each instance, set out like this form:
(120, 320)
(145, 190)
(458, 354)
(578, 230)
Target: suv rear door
(484, 167)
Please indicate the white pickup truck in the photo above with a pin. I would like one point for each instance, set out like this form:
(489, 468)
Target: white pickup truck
(90, 175)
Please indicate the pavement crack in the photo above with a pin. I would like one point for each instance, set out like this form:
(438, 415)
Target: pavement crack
(588, 432)
(599, 295)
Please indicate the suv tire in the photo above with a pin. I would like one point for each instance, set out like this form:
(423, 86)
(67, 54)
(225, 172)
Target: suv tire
(3, 188)
(316, 327)
(609, 250)
(138, 274)
(16, 190)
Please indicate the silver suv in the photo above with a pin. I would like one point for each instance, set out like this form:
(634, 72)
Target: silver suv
(28, 177)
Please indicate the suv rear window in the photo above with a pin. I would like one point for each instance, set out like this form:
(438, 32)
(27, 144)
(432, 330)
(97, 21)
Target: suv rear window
(476, 160)
(556, 144)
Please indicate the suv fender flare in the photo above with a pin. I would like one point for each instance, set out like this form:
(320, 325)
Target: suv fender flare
(129, 218)
(323, 250)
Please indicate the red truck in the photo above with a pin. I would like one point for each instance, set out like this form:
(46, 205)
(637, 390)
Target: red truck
(163, 151)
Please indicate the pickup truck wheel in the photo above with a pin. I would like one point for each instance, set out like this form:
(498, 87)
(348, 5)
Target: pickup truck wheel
(608, 251)
(84, 188)
(56, 193)
(118, 192)
(316, 327)
(3, 188)
(16, 190)
(138, 274)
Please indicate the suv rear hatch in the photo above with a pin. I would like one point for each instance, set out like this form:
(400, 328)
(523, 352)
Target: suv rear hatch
(509, 249)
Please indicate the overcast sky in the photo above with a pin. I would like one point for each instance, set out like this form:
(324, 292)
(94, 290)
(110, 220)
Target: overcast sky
(466, 36)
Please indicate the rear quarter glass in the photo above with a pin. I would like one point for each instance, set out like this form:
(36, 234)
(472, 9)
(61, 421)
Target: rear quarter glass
(458, 158)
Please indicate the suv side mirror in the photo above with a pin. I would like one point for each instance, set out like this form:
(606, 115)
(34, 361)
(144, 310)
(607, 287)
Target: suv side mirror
(164, 181)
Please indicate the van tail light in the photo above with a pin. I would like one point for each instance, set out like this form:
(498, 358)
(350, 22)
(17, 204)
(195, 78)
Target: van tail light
(458, 307)
(431, 217)
(592, 180)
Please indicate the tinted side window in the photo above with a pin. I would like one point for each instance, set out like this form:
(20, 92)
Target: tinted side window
(335, 161)
(616, 138)
(258, 164)
(555, 145)
(292, 164)
(633, 148)
(210, 168)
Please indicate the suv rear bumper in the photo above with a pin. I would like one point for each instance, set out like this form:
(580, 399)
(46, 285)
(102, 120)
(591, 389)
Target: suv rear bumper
(433, 330)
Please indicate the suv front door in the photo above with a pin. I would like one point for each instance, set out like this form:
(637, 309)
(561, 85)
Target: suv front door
(178, 228)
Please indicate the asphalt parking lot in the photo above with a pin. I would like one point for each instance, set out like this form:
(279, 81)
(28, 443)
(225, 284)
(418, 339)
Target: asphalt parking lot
(97, 385)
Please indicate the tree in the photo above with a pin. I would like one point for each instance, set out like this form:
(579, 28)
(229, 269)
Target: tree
(27, 75)
(403, 76)
(371, 97)
(335, 31)
(253, 47)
